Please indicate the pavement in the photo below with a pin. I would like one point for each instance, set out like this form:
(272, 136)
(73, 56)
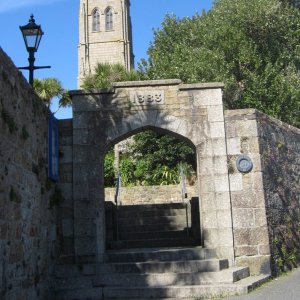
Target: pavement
(286, 287)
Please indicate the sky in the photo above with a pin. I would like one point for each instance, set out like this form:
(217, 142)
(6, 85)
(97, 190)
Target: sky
(59, 21)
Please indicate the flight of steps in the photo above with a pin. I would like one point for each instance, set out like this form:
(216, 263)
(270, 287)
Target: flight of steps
(153, 225)
(154, 273)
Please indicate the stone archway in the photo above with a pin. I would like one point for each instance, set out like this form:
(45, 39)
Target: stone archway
(194, 112)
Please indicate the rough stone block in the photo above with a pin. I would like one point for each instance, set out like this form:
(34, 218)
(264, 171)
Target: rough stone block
(220, 165)
(67, 227)
(221, 183)
(84, 227)
(246, 199)
(206, 166)
(236, 182)
(243, 218)
(217, 130)
(259, 264)
(251, 236)
(222, 200)
(219, 146)
(208, 202)
(85, 246)
(215, 113)
(208, 97)
(66, 155)
(260, 217)
(218, 237)
(209, 219)
(204, 149)
(264, 249)
(224, 218)
(246, 251)
(246, 128)
(234, 146)
(206, 184)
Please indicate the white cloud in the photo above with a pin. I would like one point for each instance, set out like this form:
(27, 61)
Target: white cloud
(8, 5)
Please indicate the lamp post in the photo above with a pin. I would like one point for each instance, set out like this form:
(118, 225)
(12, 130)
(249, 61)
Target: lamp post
(32, 35)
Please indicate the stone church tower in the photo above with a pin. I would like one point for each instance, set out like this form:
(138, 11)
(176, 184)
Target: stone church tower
(104, 35)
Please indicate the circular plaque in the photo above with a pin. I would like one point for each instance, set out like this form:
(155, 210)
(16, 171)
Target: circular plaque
(244, 164)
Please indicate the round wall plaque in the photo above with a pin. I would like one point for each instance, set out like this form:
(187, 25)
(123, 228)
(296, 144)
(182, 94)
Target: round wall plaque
(244, 164)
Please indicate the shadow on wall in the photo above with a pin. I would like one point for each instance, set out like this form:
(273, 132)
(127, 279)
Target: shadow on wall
(280, 156)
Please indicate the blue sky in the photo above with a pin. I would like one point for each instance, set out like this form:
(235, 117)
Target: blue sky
(59, 20)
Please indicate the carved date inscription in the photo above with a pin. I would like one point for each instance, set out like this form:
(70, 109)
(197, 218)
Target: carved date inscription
(147, 97)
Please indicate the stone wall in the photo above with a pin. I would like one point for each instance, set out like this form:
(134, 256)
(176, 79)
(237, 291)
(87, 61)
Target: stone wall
(150, 194)
(27, 224)
(265, 201)
(65, 220)
(251, 241)
(280, 157)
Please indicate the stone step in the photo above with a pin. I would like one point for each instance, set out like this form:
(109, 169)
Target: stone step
(154, 234)
(151, 212)
(152, 207)
(164, 242)
(208, 265)
(186, 292)
(71, 271)
(151, 227)
(80, 294)
(169, 220)
(177, 292)
(81, 290)
(160, 254)
(169, 279)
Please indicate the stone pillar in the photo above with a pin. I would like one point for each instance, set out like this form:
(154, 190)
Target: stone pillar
(215, 204)
(88, 194)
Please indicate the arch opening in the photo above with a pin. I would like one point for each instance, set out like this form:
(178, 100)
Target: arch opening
(150, 177)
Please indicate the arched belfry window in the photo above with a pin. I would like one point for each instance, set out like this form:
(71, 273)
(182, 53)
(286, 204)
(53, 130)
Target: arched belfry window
(109, 19)
(96, 20)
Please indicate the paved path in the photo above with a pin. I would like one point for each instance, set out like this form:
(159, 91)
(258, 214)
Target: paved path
(286, 287)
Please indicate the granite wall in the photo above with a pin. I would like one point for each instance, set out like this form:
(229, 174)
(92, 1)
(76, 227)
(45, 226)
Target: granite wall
(65, 214)
(280, 158)
(150, 194)
(251, 239)
(265, 201)
(27, 221)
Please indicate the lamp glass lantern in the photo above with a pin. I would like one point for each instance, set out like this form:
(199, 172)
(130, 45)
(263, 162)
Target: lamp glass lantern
(32, 34)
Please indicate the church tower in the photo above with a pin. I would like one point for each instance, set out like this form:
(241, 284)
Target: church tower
(105, 35)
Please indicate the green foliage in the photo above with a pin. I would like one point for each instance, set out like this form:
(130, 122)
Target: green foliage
(152, 159)
(49, 88)
(166, 175)
(250, 45)
(109, 172)
(105, 74)
(160, 149)
(127, 168)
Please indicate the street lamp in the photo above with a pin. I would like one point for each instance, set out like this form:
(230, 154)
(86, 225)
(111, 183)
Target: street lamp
(32, 35)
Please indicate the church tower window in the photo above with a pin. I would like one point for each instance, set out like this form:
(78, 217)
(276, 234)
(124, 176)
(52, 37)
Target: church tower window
(96, 20)
(108, 19)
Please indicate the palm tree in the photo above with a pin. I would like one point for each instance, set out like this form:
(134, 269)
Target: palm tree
(105, 74)
(49, 88)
